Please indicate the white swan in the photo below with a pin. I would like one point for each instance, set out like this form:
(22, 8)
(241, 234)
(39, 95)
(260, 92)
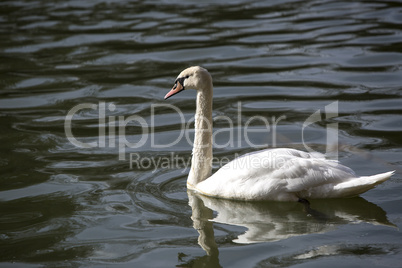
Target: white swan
(273, 174)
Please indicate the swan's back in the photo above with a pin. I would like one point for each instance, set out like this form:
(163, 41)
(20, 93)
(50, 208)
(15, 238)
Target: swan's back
(286, 175)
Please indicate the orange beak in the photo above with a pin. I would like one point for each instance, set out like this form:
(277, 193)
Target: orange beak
(176, 89)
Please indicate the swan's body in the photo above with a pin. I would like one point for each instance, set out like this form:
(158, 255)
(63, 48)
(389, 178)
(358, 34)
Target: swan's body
(273, 174)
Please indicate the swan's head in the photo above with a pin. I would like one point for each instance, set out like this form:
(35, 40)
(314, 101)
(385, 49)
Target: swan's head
(194, 77)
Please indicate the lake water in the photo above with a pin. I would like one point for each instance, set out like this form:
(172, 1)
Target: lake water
(100, 69)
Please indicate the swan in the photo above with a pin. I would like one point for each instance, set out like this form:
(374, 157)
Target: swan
(278, 174)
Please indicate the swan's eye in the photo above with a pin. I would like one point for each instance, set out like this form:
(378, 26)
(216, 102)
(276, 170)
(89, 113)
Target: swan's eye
(181, 81)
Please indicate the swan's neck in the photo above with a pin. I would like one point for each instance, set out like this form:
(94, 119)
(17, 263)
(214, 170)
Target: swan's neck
(201, 162)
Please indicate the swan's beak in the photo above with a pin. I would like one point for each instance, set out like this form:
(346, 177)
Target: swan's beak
(176, 89)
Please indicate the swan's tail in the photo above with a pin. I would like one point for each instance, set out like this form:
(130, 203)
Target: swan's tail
(360, 185)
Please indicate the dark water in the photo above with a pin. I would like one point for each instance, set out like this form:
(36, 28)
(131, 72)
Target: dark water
(62, 205)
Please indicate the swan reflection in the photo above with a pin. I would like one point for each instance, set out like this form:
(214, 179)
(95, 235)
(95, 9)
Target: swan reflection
(273, 221)
(201, 216)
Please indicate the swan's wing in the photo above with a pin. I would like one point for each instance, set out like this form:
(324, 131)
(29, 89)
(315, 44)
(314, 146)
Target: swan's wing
(274, 173)
(305, 174)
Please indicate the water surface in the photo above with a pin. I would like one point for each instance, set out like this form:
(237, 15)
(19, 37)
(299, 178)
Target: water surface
(62, 205)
